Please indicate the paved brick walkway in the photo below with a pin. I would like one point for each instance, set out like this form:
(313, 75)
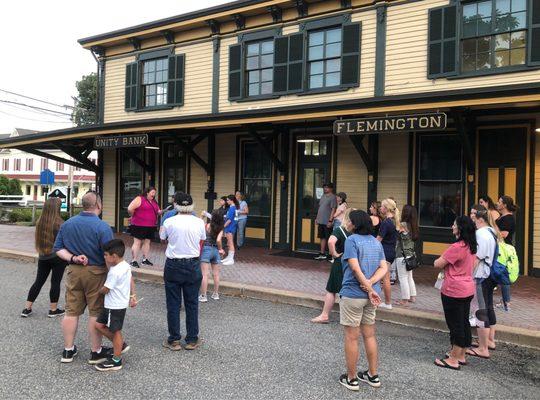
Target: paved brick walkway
(260, 267)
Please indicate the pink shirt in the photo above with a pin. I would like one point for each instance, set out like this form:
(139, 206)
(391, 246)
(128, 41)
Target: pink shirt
(458, 273)
(146, 213)
(340, 212)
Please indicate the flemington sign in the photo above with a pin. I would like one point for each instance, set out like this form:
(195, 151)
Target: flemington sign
(391, 124)
(115, 142)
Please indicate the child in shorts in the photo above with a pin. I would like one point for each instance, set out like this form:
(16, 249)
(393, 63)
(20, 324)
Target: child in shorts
(119, 291)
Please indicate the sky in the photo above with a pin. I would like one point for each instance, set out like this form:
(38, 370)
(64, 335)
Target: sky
(40, 57)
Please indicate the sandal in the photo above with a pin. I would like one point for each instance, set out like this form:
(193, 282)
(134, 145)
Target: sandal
(319, 320)
(475, 345)
(444, 364)
(447, 355)
(402, 303)
(472, 352)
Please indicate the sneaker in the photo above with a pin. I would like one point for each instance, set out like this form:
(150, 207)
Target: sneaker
(56, 313)
(174, 345)
(386, 306)
(26, 313)
(203, 298)
(125, 348)
(193, 345)
(109, 365)
(230, 261)
(215, 296)
(135, 264)
(97, 358)
(68, 355)
(372, 381)
(146, 261)
(352, 384)
(320, 257)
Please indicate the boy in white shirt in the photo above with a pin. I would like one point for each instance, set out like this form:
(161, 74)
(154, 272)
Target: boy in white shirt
(119, 291)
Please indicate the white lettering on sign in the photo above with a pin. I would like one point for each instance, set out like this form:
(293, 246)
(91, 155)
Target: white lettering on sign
(121, 141)
(388, 124)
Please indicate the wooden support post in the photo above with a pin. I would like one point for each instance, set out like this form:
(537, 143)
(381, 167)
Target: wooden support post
(210, 194)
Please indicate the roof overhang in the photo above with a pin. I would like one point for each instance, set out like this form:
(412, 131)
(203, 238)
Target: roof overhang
(524, 97)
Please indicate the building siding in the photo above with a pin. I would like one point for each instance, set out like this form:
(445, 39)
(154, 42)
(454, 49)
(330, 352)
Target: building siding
(393, 168)
(351, 174)
(198, 179)
(536, 206)
(109, 187)
(198, 86)
(407, 58)
(225, 165)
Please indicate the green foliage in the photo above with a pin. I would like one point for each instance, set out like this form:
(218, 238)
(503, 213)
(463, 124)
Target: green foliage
(18, 215)
(85, 112)
(9, 186)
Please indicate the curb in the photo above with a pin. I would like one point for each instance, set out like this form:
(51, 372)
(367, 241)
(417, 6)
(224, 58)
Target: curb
(419, 319)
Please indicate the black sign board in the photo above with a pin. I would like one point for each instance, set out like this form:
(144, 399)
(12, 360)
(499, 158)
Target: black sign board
(114, 142)
(391, 124)
(57, 193)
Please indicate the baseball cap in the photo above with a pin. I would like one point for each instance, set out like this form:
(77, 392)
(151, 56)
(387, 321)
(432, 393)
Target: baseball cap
(183, 199)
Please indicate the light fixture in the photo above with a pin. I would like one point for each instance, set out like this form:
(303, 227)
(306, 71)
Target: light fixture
(305, 140)
(151, 147)
(537, 130)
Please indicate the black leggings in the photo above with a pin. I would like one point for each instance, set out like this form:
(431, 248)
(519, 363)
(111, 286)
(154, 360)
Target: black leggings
(456, 313)
(57, 266)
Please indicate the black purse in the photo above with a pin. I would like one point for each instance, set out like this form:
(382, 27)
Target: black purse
(411, 262)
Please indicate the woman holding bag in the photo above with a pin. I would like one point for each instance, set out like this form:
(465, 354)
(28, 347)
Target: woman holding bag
(144, 211)
(405, 254)
(457, 291)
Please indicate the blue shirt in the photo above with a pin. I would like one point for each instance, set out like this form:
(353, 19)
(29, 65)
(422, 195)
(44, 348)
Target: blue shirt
(388, 233)
(168, 214)
(243, 206)
(369, 253)
(231, 214)
(84, 234)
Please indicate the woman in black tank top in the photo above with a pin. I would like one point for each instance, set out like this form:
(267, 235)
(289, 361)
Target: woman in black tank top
(375, 215)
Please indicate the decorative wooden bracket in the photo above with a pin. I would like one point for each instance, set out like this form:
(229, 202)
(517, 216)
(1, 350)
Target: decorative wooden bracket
(136, 43)
(214, 26)
(168, 35)
(302, 8)
(276, 12)
(345, 3)
(56, 158)
(264, 144)
(240, 21)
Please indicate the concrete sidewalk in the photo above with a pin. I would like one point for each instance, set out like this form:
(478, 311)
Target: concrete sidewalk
(267, 274)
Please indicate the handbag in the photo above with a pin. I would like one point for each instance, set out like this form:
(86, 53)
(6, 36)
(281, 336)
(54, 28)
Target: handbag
(156, 234)
(411, 262)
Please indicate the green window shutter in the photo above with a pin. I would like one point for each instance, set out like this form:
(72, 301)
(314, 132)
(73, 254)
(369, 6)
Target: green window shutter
(534, 32)
(175, 84)
(235, 72)
(297, 53)
(442, 42)
(281, 58)
(350, 54)
(131, 86)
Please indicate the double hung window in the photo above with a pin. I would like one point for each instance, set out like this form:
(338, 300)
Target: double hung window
(154, 83)
(324, 58)
(259, 67)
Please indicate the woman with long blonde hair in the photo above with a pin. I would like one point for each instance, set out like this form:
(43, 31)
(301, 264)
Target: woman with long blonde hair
(47, 228)
(388, 238)
(336, 245)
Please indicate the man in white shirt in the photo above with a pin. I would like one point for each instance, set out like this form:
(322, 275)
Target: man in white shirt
(485, 237)
(185, 234)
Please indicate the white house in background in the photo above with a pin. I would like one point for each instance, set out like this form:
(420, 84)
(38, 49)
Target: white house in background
(27, 167)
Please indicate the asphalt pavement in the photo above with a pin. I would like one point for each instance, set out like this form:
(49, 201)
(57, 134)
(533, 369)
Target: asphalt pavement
(252, 350)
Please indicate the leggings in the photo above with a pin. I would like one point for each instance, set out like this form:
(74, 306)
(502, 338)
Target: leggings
(57, 266)
(456, 313)
(484, 295)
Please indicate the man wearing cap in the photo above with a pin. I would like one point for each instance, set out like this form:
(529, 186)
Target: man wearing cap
(185, 234)
(325, 217)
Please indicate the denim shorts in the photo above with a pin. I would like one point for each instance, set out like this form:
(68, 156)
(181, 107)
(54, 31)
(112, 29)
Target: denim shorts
(210, 255)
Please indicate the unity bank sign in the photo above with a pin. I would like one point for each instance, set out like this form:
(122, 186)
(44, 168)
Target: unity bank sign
(115, 142)
(391, 124)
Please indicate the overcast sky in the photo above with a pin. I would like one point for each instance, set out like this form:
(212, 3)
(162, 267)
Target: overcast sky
(40, 56)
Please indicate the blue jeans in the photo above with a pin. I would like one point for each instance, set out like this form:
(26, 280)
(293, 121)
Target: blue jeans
(182, 277)
(505, 291)
(336, 224)
(241, 232)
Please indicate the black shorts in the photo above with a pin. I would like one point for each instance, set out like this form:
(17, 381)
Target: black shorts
(323, 232)
(142, 232)
(114, 319)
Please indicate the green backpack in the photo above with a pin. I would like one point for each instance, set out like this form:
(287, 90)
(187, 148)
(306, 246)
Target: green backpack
(508, 257)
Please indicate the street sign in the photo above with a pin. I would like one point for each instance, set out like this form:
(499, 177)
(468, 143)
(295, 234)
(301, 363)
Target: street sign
(46, 177)
(391, 124)
(115, 142)
(62, 195)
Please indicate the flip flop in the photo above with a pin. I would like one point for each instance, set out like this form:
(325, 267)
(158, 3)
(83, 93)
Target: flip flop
(444, 364)
(317, 320)
(446, 355)
(475, 345)
(473, 353)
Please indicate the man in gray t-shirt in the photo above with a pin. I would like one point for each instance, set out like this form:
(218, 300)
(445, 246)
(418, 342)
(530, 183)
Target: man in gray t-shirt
(325, 217)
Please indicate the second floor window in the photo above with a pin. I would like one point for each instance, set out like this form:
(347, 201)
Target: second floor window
(17, 164)
(59, 166)
(324, 58)
(44, 163)
(5, 165)
(494, 34)
(29, 164)
(259, 67)
(155, 78)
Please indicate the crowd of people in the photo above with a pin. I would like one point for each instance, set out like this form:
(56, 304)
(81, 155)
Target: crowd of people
(364, 248)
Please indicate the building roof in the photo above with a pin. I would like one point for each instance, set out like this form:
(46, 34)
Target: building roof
(17, 132)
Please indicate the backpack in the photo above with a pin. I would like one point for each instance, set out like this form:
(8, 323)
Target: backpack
(505, 266)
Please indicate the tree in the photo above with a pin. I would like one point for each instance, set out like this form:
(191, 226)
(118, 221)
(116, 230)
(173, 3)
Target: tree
(9, 186)
(85, 112)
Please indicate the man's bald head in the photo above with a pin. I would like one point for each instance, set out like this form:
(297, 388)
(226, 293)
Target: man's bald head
(91, 201)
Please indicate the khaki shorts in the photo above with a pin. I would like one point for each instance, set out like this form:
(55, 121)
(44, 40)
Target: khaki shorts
(82, 289)
(353, 312)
